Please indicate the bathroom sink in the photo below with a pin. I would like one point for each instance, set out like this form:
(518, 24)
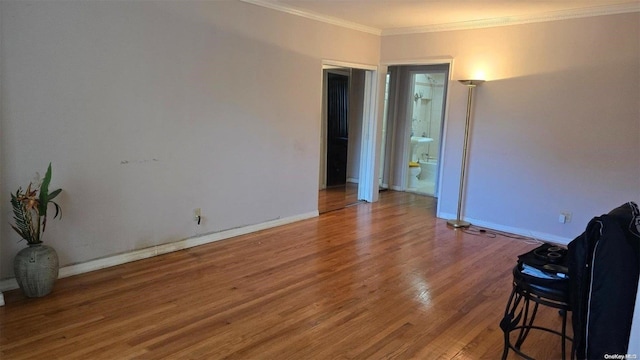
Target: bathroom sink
(419, 140)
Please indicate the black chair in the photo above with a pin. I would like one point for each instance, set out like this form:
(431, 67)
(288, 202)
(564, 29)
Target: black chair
(528, 293)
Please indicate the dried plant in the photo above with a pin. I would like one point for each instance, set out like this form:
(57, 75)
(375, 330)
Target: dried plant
(30, 209)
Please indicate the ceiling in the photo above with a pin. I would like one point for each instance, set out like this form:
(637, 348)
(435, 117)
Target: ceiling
(388, 17)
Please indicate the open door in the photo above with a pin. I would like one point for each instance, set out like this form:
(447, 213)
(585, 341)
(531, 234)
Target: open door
(360, 129)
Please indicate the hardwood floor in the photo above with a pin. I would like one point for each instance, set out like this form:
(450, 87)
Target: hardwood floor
(337, 197)
(372, 281)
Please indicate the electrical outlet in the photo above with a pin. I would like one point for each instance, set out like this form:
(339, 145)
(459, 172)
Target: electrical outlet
(565, 217)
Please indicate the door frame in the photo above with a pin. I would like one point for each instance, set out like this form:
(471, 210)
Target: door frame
(402, 128)
(433, 61)
(367, 179)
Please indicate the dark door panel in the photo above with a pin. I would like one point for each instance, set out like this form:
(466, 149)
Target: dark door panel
(337, 128)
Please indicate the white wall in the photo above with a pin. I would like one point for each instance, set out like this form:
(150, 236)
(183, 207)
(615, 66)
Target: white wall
(556, 127)
(148, 110)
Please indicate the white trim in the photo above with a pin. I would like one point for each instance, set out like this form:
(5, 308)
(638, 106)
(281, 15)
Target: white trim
(463, 25)
(1, 299)
(509, 229)
(8, 284)
(369, 149)
(443, 142)
(332, 64)
(119, 259)
(367, 182)
(315, 16)
(322, 170)
(438, 60)
(518, 20)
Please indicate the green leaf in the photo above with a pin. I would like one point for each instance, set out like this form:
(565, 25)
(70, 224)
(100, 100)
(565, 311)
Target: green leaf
(44, 193)
(58, 210)
(54, 194)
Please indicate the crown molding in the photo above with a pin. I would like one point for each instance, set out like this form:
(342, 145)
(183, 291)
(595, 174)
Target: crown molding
(465, 25)
(314, 16)
(518, 20)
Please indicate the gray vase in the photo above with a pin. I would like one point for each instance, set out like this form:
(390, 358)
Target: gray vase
(36, 269)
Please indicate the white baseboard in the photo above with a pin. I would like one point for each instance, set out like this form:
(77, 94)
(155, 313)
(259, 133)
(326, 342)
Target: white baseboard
(512, 230)
(97, 264)
(1, 299)
(352, 180)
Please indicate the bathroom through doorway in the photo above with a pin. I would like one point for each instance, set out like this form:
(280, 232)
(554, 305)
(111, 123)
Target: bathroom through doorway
(415, 103)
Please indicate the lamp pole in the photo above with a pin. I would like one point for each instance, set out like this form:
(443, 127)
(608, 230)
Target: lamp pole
(458, 222)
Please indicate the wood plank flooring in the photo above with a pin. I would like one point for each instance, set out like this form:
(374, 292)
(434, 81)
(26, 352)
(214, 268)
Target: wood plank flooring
(337, 197)
(374, 281)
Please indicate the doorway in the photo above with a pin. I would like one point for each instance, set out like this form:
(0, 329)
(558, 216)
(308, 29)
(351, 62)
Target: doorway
(343, 109)
(337, 128)
(415, 103)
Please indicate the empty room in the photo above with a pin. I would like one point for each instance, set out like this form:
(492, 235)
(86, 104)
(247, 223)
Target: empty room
(172, 162)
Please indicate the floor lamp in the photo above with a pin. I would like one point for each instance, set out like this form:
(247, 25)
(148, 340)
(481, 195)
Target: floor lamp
(459, 223)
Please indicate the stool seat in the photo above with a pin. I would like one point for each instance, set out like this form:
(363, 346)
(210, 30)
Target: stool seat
(528, 292)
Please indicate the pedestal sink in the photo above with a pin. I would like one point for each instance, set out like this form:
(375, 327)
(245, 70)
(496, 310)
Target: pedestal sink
(415, 141)
(420, 139)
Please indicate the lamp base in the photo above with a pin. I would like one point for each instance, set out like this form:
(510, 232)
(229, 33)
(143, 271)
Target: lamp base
(458, 223)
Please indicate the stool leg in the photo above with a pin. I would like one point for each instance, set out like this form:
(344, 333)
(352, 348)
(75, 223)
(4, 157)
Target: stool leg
(506, 321)
(522, 335)
(526, 327)
(564, 333)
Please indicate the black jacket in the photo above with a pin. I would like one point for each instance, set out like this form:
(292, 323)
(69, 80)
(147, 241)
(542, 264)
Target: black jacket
(604, 266)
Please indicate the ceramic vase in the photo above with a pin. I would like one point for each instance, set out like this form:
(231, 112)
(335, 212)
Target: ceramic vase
(36, 269)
